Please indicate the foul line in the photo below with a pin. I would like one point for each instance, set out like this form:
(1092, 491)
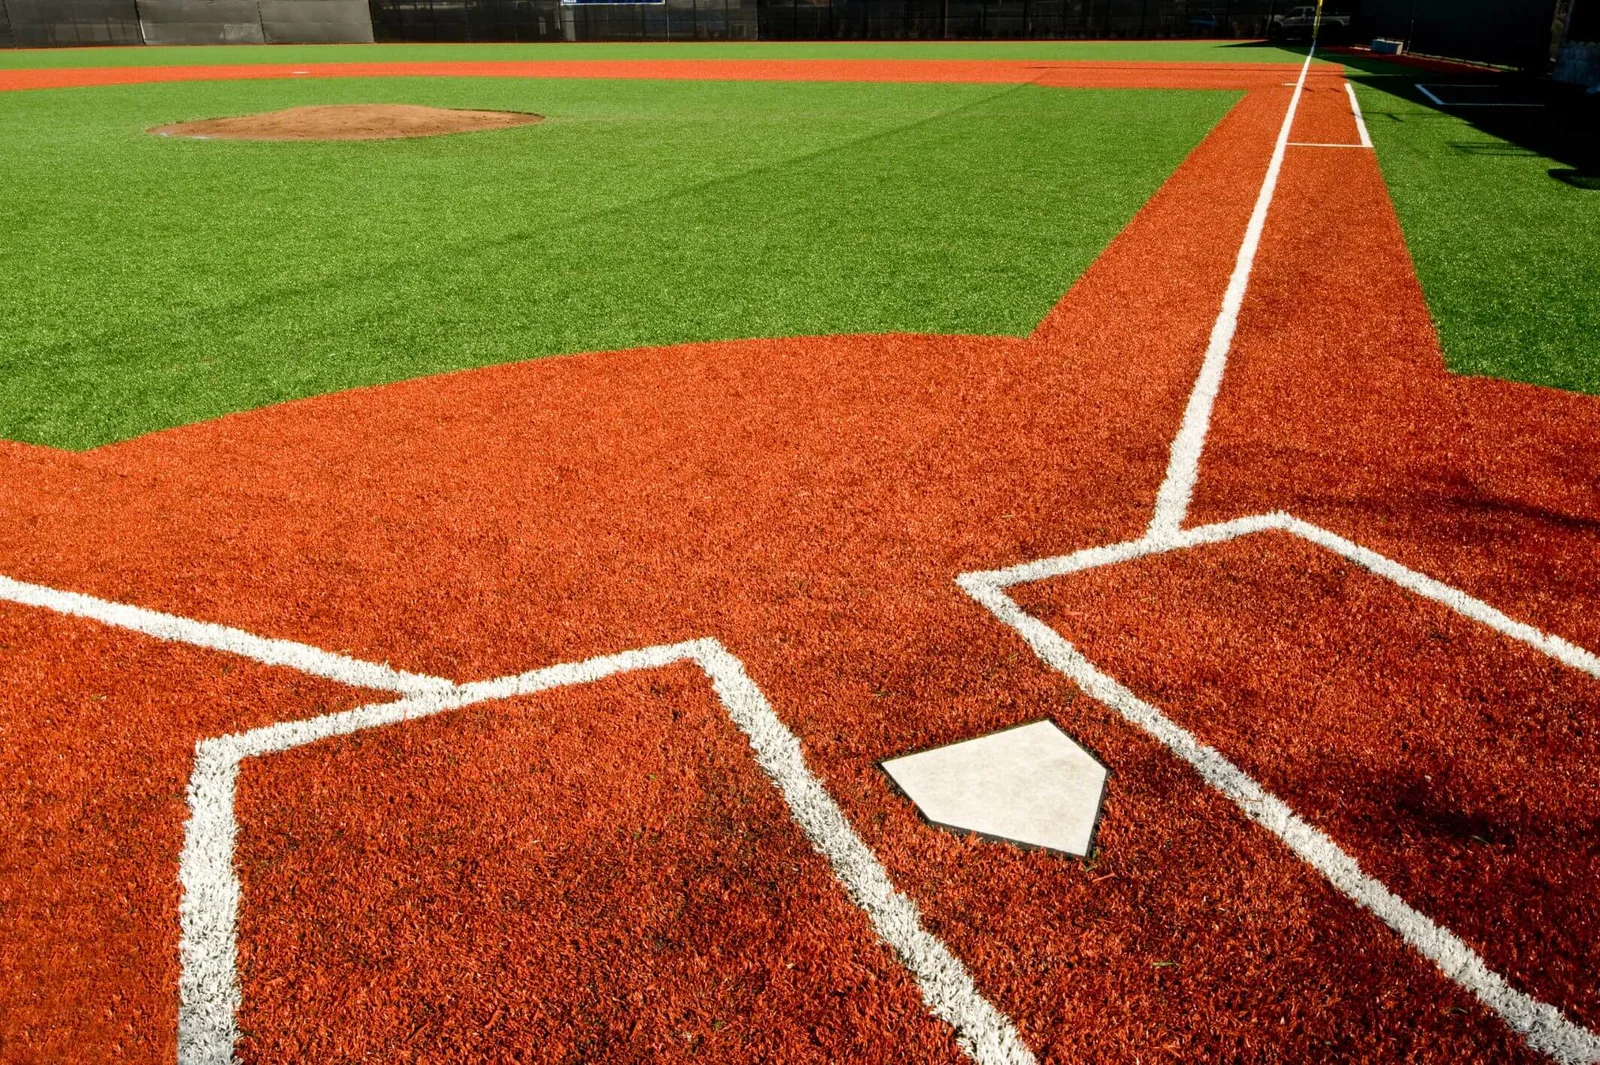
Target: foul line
(1183, 464)
(1544, 1027)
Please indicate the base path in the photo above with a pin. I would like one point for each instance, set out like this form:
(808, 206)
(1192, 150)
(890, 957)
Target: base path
(596, 872)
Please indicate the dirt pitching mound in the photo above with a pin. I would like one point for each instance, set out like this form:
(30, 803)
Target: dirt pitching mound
(346, 122)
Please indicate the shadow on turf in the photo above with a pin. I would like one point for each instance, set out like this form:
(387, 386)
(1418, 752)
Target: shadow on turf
(1564, 128)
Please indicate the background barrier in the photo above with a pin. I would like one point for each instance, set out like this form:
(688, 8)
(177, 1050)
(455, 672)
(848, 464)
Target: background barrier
(50, 23)
(1508, 32)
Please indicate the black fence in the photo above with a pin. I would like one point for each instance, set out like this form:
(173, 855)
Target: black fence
(480, 20)
(50, 23)
(58, 23)
(688, 20)
(1501, 31)
(1511, 32)
(1507, 32)
(550, 20)
(1009, 19)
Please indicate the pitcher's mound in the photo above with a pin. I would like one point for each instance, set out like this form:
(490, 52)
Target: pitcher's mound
(346, 122)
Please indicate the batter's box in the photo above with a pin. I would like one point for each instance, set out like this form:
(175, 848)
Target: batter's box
(1544, 1026)
(617, 958)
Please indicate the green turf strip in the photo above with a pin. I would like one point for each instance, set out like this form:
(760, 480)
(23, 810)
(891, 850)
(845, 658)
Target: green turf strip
(1104, 51)
(153, 282)
(1508, 254)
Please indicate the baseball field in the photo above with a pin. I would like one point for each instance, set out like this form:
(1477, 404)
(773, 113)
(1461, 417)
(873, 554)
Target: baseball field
(459, 592)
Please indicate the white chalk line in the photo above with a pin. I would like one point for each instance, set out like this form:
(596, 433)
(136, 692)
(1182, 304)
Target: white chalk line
(1320, 144)
(209, 990)
(1355, 110)
(267, 651)
(1463, 103)
(1543, 1026)
(1183, 462)
(209, 993)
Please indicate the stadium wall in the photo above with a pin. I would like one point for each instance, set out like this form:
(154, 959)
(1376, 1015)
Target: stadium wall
(56, 23)
(1511, 32)
(1506, 32)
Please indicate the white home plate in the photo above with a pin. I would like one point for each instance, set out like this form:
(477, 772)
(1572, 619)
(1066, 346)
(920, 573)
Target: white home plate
(1030, 784)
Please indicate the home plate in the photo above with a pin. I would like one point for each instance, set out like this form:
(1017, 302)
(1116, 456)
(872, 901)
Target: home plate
(1030, 785)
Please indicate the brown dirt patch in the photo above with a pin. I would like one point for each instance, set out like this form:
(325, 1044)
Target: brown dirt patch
(347, 122)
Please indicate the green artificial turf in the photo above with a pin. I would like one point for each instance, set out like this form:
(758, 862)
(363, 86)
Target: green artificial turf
(152, 282)
(1508, 253)
(1063, 51)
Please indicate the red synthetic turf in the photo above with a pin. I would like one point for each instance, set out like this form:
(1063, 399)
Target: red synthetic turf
(1338, 408)
(1431, 63)
(1459, 767)
(809, 501)
(607, 875)
(1325, 116)
(97, 732)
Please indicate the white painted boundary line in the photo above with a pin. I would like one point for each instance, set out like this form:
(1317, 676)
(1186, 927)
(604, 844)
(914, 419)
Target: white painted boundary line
(1568, 654)
(1355, 109)
(1183, 463)
(174, 629)
(1543, 1026)
(1318, 144)
(209, 990)
(209, 993)
(1424, 90)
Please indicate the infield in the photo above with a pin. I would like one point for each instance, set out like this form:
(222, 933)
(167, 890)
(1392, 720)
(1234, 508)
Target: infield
(539, 711)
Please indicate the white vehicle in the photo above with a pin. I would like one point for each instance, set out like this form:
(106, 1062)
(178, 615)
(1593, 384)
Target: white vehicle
(1299, 21)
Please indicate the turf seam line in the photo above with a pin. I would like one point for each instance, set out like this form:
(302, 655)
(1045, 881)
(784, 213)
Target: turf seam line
(1183, 463)
(1355, 110)
(1543, 1026)
(209, 990)
(265, 650)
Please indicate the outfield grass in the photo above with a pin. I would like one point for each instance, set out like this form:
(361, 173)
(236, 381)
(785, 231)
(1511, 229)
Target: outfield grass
(1090, 51)
(1508, 255)
(154, 282)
